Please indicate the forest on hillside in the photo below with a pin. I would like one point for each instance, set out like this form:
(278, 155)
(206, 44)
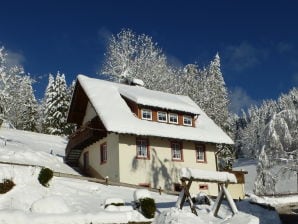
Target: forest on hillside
(267, 132)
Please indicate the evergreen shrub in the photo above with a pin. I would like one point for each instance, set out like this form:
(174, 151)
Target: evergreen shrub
(148, 207)
(45, 176)
(6, 186)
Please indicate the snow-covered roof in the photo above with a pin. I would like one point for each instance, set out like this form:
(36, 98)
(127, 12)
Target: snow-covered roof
(159, 99)
(117, 117)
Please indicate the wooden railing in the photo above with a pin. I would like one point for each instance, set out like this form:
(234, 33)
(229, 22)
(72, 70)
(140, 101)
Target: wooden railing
(77, 139)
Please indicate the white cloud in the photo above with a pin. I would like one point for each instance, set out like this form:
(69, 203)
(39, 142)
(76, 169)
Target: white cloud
(240, 100)
(104, 35)
(283, 47)
(15, 58)
(244, 56)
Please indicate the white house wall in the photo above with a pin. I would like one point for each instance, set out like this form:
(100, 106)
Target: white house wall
(111, 167)
(160, 170)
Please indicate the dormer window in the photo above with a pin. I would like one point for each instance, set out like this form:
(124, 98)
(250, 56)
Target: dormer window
(187, 120)
(146, 114)
(173, 118)
(162, 116)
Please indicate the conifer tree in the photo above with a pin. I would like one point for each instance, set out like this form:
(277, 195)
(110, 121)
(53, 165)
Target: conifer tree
(56, 104)
(17, 101)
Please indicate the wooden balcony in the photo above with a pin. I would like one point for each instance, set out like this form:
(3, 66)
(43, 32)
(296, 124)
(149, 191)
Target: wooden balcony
(82, 138)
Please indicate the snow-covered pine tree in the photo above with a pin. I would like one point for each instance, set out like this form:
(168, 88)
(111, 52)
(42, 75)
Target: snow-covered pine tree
(70, 128)
(217, 105)
(265, 181)
(9, 76)
(56, 104)
(272, 127)
(30, 106)
(46, 103)
(17, 100)
(207, 88)
(24, 111)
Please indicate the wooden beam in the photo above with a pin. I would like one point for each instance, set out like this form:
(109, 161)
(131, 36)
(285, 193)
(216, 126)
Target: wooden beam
(186, 194)
(230, 200)
(218, 202)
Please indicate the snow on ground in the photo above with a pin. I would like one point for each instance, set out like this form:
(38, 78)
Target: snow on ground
(78, 201)
(250, 166)
(33, 148)
(274, 201)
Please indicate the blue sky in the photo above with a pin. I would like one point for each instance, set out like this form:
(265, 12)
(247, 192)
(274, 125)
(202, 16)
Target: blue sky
(257, 40)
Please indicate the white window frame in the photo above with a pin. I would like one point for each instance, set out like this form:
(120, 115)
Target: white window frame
(171, 115)
(142, 148)
(147, 111)
(185, 117)
(176, 149)
(201, 152)
(164, 113)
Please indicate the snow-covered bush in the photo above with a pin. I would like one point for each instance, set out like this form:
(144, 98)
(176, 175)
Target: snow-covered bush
(144, 202)
(141, 193)
(6, 186)
(45, 176)
(148, 207)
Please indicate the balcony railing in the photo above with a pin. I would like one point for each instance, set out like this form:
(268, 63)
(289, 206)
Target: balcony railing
(83, 137)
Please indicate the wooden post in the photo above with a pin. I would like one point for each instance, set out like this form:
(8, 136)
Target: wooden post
(230, 200)
(183, 191)
(218, 201)
(187, 195)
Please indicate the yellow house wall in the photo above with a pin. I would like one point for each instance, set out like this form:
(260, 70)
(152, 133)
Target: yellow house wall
(111, 167)
(160, 170)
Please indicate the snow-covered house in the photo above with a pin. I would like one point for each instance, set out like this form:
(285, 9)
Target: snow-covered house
(139, 136)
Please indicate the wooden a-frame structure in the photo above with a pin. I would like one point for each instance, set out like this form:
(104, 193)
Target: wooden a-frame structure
(186, 184)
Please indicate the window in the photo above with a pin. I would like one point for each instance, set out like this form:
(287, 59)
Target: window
(162, 116)
(177, 187)
(146, 114)
(187, 120)
(201, 153)
(142, 149)
(145, 185)
(173, 118)
(203, 187)
(103, 153)
(176, 148)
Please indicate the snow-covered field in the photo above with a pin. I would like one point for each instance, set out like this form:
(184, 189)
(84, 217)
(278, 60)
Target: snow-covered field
(78, 201)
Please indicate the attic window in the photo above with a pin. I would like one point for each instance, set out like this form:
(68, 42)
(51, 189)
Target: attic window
(162, 116)
(146, 114)
(187, 120)
(173, 118)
